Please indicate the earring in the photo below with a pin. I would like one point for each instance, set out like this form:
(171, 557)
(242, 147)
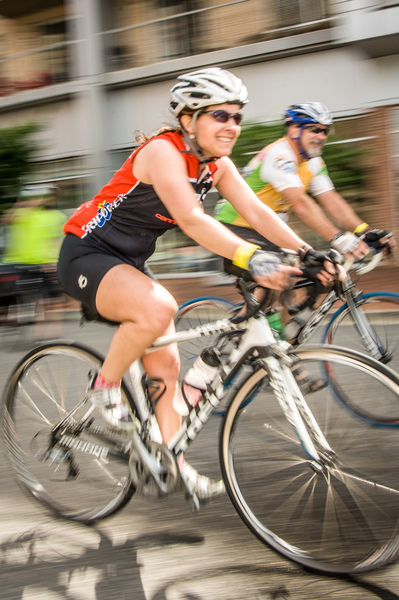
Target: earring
(191, 136)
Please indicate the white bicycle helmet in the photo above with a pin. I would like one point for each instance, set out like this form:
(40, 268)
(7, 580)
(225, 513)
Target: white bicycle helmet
(308, 112)
(206, 87)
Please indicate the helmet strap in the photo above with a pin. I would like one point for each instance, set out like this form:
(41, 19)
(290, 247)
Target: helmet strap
(298, 141)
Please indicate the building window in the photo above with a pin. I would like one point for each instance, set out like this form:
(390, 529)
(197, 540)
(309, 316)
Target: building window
(33, 51)
(144, 33)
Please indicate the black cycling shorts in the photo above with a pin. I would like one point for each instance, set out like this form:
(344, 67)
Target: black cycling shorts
(81, 267)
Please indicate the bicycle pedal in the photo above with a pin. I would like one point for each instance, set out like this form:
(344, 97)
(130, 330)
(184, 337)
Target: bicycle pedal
(56, 455)
(191, 497)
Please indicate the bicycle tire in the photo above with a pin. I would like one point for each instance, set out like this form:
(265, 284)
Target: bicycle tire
(82, 474)
(343, 519)
(382, 310)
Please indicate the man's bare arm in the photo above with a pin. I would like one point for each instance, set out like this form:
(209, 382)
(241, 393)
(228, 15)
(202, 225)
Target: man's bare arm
(339, 210)
(310, 212)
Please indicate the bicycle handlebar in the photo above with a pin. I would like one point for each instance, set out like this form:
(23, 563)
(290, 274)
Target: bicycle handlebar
(360, 267)
(246, 285)
(367, 264)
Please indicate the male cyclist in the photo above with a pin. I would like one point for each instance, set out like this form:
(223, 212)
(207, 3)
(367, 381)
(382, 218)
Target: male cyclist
(285, 176)
(288, 173)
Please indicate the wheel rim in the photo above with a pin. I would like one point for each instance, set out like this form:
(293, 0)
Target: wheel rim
(199, 312)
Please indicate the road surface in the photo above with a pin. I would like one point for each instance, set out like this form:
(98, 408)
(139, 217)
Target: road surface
(153, 550)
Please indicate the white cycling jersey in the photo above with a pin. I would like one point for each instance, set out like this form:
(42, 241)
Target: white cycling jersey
(274, 169)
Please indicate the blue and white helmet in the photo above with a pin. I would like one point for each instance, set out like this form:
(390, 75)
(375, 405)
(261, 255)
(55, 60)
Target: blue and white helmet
(308, 112)
(206, 87)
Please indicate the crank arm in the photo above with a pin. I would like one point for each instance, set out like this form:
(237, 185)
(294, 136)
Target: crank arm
(149, 462)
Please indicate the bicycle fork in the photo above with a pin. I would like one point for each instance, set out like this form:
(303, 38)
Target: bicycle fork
(369, 337)
(299, 415)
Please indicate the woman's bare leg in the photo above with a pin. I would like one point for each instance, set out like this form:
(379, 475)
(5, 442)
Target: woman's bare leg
(145, 310)
(165, 364)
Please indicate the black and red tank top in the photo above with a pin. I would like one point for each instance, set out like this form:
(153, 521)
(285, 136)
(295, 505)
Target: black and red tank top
(126, 217)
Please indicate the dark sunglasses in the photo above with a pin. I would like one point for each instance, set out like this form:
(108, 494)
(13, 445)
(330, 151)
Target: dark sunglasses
(222, 116)
(316, 129)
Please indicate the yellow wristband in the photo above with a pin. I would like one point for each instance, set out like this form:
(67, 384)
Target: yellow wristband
(361, 228)
(243, 254)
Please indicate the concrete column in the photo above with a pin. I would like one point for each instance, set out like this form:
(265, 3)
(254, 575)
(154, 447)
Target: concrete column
(87, 27)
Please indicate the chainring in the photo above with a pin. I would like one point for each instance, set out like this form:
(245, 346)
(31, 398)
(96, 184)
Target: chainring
(142, 478)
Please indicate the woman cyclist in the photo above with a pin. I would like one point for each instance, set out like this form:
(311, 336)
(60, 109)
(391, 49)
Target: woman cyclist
(160, 186)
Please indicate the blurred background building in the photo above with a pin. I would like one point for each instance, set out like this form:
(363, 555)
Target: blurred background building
(92, 72)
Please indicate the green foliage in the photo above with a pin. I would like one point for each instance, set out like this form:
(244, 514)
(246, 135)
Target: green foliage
(17, 149)
(344, 161)
(254, 137)
(346, 168)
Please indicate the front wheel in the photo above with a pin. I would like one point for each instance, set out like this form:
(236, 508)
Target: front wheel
(341, 515)
(60, 448)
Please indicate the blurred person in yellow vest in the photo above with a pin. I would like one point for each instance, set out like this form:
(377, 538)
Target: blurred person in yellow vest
(34, 225)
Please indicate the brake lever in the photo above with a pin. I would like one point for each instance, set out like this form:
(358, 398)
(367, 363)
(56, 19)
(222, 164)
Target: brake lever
(253, 306)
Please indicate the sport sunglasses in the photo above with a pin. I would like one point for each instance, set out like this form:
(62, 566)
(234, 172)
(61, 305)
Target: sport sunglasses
(222, 116)
(316, 129)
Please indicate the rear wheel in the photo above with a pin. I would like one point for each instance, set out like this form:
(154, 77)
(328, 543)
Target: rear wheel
(200, 311)
(339, 514)
(62, 451)
(381, 313)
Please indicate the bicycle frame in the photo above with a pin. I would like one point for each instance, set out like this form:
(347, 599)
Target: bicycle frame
(316, 317)
(363, 326)
(272, 353)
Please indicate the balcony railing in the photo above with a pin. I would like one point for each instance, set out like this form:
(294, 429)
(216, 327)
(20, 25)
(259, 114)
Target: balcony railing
(154, 35)
(216, 27)
(35, 68)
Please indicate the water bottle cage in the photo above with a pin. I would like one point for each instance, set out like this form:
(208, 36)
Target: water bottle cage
(154, 388)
